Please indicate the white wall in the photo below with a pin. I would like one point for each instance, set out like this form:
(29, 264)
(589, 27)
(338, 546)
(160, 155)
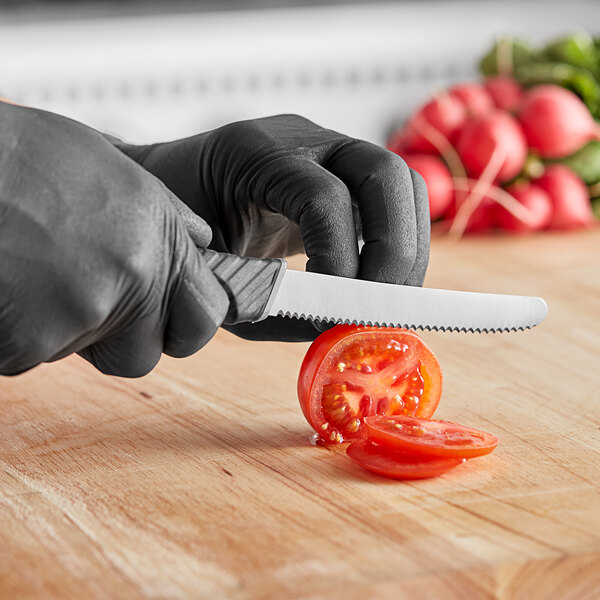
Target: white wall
(357, 69)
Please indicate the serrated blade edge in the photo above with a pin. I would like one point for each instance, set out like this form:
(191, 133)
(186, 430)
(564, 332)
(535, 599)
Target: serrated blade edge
(319, 297)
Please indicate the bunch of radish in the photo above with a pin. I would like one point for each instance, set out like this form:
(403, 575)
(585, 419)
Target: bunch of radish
(494, 155)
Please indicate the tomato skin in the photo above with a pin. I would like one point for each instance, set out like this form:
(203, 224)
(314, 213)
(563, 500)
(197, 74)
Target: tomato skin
(312, 361)
(399, 465)
(428, 437)
(326, 343)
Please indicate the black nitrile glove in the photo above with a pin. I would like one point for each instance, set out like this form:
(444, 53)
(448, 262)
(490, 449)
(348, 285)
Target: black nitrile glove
(276, 186)
(94, 257)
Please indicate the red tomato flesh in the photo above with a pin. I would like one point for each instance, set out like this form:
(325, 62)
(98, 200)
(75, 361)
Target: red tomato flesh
(428, 437)
(351, 372)
(399, 465)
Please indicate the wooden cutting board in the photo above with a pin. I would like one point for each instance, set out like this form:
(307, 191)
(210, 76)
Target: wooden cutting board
(199, 481)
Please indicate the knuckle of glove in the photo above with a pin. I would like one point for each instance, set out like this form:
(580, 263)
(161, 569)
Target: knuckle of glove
(92, 310)
(233, 133)
(387, 171)
(182, 348)
(325, 197)
(109, 360)
(131, 369)
(137, 265)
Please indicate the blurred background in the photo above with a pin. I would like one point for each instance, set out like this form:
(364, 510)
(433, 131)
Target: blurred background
(149, 71)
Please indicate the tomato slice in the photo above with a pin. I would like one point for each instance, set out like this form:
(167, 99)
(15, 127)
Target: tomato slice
(399, 465)
(428, 437)
(351, 372)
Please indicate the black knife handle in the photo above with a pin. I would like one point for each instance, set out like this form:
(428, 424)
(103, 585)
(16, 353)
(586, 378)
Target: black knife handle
(250, 283)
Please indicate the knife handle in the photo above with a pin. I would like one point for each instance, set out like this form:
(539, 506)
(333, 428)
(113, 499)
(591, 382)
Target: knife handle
(250, 283)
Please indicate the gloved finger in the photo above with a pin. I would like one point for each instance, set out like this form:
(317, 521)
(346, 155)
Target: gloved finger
(321, 205)
(197, 309)
(197, 228)
(17, 355)
(133, 352)
(381, 184)
(417, 275)
(276, 329)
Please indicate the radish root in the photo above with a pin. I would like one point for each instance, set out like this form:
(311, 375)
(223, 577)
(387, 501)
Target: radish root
(469, 206)
(472, 191)
(441, 143)
(504, 199)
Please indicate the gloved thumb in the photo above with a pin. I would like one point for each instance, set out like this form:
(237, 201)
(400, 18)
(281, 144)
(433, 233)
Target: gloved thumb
(198, 229)
(198, 307)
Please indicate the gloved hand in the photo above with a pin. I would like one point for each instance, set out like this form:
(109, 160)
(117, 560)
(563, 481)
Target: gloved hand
(276, 186)
(94, 257)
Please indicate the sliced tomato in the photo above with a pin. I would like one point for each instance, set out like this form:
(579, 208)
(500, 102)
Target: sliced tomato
(351, 372)
(399, 465)
(428, 437)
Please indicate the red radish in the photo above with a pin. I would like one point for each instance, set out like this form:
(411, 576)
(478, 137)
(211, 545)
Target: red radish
(532, 197)
(506, 93)
(482, 219)
(445, 113)
(487, 208)
(475, 98)
(571, 207)
(496, 133)
(440, 188)
(555, 121)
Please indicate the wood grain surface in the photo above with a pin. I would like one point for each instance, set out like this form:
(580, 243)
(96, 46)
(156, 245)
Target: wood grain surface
(199, 481)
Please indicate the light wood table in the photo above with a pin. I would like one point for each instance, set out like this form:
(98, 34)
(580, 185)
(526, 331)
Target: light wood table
(199, 481)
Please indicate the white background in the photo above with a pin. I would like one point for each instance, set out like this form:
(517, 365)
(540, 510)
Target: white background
(357, 69)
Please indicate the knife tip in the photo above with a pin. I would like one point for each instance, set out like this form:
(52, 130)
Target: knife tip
(541, 310)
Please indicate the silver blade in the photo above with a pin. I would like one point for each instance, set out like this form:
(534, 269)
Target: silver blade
(341, 300)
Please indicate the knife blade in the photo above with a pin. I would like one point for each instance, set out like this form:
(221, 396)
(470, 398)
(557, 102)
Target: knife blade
(341, 300)
(259, 288)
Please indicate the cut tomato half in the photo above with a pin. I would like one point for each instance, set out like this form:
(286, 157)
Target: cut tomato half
(399, 465)
(428, 437)
(351, 372)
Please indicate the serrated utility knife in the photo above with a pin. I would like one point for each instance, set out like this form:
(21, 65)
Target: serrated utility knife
(259, 288)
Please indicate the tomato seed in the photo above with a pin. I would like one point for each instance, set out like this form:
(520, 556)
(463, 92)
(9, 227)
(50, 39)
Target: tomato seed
(451, 441)
(353, 426)
(418, 431)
